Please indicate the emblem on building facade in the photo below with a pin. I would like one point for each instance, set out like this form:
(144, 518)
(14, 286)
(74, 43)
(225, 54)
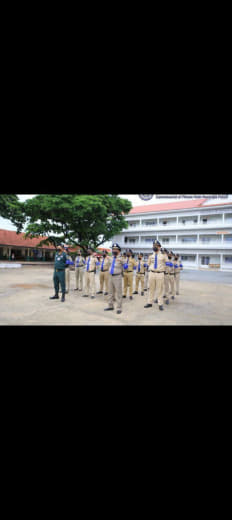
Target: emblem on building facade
(146, 197)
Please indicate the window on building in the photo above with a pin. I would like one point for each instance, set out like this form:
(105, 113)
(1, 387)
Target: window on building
(228, 260)
(188, 239)
(204, 220)
(205, 260)
(228, 238)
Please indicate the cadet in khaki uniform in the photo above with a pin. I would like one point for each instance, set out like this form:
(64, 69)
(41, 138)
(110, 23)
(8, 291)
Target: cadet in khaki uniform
(104, 273)
(115, 279)
(140, 274)
(67, 271)
(178, 267)
(157, 266)
(168, 276)
(79, 271)
(91, 263)
(129, 266)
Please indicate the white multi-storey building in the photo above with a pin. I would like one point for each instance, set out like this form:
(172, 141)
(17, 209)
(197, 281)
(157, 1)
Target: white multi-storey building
(200, 230)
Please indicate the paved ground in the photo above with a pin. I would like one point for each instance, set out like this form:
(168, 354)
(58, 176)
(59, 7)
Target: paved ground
(205, 299)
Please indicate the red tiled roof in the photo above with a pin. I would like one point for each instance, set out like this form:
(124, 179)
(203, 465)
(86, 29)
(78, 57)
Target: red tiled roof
(11, 238)
(186, 204)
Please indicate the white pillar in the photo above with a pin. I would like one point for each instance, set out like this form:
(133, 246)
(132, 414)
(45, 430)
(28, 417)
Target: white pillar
(223, 218)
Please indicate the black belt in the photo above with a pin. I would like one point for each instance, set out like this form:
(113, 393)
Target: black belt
(166, 273)
(59, 269)
(128, 271)
(104, 271)
(79, 266)
(140, 273)
(91, 271)
(172, 274)
(115, 274)
(156, 271)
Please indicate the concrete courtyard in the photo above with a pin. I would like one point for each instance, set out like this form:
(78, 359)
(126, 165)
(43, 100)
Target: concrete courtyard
(205, 299)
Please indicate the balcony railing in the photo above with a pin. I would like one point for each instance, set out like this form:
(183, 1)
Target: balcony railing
(182, 245)
(179, 226)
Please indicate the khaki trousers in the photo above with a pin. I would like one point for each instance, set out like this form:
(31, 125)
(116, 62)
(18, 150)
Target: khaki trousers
(90, 283)
(115, 291)
(79, 278)
(104, 280)
(139, 279)
(172, 284)
(128, 283)
(169, 286)
(67, 279)
(177, 282)
(156, 283)
(146, 280)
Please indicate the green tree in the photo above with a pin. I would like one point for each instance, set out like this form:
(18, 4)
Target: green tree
(12, 209)
(81, 220)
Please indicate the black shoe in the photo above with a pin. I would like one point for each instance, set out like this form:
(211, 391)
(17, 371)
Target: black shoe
(131, 298)
(109, 309)
(99, 292)
(161, 307)
(124, 296)
(76, 289)
(156, 301)
(173, 297)
(145, 289)
(135, 292)
(85, 296)
(167, 302)
(148, 305)
(105, 293)
(56, 297)
(165, 296)
(92, 297)
(63, 297)
(119, 312)
(142, 293)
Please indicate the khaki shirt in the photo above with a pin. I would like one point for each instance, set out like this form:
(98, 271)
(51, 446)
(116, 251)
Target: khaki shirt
(131, 263)
(142, 268)
(92, 263)
(160, 262)
(177, 269)
(105, 266)
(118, 266)
(81, 261)
(168, 269)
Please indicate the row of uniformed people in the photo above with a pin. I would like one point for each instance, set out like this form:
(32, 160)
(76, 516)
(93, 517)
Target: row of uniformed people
(161, 274)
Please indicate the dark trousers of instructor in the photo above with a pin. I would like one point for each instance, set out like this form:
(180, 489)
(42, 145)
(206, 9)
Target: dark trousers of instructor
(59, 278)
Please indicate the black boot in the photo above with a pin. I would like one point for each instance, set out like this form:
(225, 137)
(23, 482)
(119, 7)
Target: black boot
(167, 302)
(147, 305)
(156, 301)
(63, 297)
(56, 297)
(161, 307)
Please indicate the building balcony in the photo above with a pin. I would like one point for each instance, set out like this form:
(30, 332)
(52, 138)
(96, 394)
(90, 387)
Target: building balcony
(180, 245)
(179, 227)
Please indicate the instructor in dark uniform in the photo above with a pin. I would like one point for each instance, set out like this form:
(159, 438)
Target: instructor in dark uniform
(59, 273)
